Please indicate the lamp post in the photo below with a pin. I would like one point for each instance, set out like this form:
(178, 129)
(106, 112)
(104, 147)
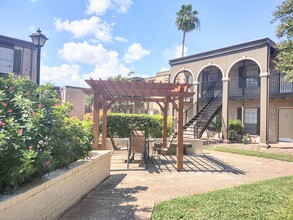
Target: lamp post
(39, 41)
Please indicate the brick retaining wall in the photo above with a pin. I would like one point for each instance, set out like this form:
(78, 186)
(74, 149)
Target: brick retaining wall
(50, 197)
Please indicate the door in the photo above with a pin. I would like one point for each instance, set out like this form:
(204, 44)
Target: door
(286, 124)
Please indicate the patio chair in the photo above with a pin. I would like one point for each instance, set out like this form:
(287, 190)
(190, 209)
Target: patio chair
(114, 145)
(169, 149)
(137, 145)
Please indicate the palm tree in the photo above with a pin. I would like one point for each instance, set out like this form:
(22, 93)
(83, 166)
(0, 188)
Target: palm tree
(187, 21)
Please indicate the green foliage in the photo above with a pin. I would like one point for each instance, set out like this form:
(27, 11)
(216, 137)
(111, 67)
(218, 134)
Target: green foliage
(187, 21)
(235, 127)
(245, 138)
(36, 136)
(120, 124)
(284, 58)
(270, 199)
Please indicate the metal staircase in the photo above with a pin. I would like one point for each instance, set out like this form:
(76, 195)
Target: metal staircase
(209, 105)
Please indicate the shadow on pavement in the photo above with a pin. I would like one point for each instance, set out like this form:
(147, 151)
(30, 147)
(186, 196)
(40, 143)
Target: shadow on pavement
(191, 163)
(107, 201)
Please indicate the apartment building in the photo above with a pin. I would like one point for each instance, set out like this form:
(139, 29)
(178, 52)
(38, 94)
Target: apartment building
(238, 81)
(17, 56)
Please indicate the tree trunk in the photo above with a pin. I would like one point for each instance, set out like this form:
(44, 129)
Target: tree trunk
(183, 42)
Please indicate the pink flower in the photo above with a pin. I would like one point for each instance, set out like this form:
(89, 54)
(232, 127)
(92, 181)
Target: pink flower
(19, 131)
(9, 111)
(57, 104)
(11, 88)
(47, 163)
(40, 105)
(33, 113)
(2, 123)
(4, 104)
(30, 147)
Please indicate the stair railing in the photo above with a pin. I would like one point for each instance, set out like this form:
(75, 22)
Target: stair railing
(201, 102)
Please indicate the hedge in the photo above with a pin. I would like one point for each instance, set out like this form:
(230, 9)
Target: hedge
(120, 124)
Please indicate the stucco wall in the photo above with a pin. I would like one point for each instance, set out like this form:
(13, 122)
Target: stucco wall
(273, 116)
(274, 104)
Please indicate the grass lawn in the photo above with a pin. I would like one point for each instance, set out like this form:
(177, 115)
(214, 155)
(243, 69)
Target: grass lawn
(283, 157)
(271, 199)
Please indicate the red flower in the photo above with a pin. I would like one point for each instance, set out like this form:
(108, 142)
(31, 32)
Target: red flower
(57, 104)
(9, 111)
(4, 104)
(19, 131)
(2, 123)
(47, 163)
(11, 88)
(40, 105)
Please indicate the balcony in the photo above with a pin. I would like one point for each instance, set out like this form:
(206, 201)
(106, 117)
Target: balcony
(280, 88)
(249, 87)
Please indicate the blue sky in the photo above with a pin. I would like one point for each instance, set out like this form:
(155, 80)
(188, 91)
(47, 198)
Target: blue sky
(101, 38)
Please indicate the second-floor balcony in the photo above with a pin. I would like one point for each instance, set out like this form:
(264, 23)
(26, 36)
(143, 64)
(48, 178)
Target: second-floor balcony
(249, 87)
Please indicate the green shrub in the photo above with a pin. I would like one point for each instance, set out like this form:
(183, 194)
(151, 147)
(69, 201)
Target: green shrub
(120, 124)
(235, 127)
(36, 136)
(245, 138)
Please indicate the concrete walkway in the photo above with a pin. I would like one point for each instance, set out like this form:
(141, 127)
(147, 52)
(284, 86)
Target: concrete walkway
(133, 193)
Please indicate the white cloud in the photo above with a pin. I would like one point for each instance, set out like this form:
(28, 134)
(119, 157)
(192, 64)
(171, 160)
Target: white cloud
(123, 5)
(135, 52)
(85, 27)
(111, 68)
(106, 62)
(99, 7)
(121, 39)
(178, 52)
(63, 75)
(175, 52)
(86, 53)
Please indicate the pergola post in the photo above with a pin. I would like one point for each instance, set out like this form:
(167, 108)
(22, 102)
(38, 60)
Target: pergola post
(96, 120)
(104, 125)
(180, 134)
(165, 117)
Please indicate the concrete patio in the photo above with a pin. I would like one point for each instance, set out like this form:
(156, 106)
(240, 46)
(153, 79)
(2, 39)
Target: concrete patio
(133, 193)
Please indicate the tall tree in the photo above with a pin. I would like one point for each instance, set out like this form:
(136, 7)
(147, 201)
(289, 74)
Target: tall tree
(284, 58)
(187, 21)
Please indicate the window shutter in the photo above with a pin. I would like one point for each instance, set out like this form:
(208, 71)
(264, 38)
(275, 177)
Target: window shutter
(240, 75)
(239, 114)
(258, 121)
(17, 61)
(204, 82)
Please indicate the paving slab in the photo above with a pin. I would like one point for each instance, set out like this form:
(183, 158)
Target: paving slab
(133, 193)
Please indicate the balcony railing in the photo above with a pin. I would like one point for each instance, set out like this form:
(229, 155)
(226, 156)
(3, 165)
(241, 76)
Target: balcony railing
(279, 86)
(246, 86)
(250, 86)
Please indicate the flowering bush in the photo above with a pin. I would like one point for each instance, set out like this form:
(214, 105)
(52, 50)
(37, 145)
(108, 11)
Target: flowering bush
(36, 136)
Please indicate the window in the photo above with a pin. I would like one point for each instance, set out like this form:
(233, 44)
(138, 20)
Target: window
(250, 116)
(251, 82)
(6, 60)
(167, 78)
(251, 120)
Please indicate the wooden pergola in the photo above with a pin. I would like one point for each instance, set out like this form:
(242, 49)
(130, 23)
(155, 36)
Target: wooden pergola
(107, 92)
